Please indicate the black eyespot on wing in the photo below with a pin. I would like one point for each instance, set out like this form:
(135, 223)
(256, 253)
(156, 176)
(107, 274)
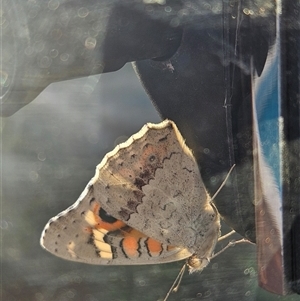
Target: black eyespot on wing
(106, 217)
(152, 158)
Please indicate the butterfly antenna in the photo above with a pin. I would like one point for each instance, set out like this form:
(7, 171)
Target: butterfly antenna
(223, 183)
(176, 282)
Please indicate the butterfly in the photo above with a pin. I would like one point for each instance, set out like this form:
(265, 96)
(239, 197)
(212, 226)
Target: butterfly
(146, 204)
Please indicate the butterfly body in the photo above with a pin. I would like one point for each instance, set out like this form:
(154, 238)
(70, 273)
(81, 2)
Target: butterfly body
(146, 204)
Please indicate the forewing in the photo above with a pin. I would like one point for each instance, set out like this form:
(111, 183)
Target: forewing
(152, 183)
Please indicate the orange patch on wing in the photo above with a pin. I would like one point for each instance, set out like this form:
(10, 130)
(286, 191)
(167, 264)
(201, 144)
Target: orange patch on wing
(117, 225)
(154, 247)
(130, 246)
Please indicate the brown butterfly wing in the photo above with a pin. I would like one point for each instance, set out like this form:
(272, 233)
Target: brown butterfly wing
(150, 185)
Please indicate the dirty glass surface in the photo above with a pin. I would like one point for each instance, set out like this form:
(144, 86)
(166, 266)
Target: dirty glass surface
(50, 148)
(49, 152)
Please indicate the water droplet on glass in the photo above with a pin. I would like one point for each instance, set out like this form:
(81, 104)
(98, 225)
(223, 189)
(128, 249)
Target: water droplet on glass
(213, 179)
(53, 4)
(38, 46)
(93, 33)
(246, 11)
(41, 156)
(64, 57)
(83, 12)
(3, 224)
(87, 89)
(98, 67)
(39, 297)
(45, 62)
(2, 20)
(90, 43)
(149, 9)
(29, 50)
(64, 18)
(251, 270)
(33, 12)
(3, 78)
(71, 293)
(206, 151)
(175, 22)
(262, 10)
(217, 9)
(53, 53)
(168, 9)
(142, 282)
(253, 273)
(34, 176)
(248, 233)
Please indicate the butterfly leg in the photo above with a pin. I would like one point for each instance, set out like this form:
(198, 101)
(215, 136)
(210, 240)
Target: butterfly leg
(176, 282)
(231, 244)
(226, 235)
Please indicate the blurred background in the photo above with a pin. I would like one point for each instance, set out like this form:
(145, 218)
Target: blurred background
(203, 64)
